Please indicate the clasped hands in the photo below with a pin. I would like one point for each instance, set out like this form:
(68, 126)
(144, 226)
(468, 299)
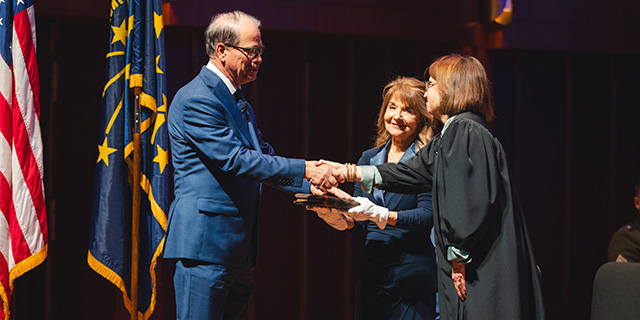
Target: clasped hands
(324, 175)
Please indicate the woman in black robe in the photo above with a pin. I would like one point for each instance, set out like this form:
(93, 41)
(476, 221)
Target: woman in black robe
(486, 267)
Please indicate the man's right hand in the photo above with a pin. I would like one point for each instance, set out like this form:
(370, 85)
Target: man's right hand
(323, 177)
(341, 168)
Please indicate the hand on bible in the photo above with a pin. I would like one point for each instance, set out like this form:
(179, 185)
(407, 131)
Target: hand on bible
(367, 210)
(332, 217)
(458, 276)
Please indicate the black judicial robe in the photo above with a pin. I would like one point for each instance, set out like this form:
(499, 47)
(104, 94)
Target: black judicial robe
(476, 210)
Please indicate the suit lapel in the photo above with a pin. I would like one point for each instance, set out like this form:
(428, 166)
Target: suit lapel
(233, 114)
(410, 153)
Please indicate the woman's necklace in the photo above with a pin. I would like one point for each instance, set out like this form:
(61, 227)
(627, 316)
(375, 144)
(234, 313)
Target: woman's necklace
(394, 157)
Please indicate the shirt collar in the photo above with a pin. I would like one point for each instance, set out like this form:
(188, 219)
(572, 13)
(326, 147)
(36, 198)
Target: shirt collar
(222, 77)
(446, 124)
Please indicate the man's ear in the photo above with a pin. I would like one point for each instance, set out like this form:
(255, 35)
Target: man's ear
(636, 201)
(221, 50)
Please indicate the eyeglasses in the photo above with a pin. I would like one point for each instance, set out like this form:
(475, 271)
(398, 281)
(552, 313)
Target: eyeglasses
(251, 53)
(429, 84)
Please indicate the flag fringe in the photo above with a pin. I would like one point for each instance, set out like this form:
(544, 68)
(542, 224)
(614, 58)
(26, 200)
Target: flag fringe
(19, 269)
(116, 280)
(152, 267)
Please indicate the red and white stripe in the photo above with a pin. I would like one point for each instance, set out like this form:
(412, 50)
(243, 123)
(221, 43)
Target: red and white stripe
(23, 220)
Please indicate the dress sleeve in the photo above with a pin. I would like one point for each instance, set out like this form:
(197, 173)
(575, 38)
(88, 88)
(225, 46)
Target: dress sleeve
(469, 183)
(419, 218)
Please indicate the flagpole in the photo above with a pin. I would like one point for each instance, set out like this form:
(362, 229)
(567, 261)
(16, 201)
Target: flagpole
(135, 219)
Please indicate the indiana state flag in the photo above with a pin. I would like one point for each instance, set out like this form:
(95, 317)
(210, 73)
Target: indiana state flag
(135, 60)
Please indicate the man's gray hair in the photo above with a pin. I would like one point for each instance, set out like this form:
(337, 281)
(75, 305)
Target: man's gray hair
(224, 28)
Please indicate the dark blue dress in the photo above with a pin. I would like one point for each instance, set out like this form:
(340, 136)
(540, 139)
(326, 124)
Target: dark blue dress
(397, 272)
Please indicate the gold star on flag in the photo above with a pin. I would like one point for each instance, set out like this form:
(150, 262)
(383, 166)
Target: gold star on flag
(157, 24)
(163, 107)
(158, 70)
(160, 118)
(105, 151)
(162, 158)
(120, 33)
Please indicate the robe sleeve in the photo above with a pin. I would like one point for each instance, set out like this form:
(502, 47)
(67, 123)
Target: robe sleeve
(470, 185)
(413, 176)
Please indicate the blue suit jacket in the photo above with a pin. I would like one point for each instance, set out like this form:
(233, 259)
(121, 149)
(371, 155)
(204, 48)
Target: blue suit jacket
(217, 175)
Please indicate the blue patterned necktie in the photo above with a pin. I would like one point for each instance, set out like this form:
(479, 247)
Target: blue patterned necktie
(242, 105)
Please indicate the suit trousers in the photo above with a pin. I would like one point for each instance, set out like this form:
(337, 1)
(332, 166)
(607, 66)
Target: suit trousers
(212, 291)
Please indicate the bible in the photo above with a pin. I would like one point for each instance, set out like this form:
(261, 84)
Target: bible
(311, 200)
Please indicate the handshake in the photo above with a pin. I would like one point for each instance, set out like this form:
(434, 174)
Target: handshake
(324, 175)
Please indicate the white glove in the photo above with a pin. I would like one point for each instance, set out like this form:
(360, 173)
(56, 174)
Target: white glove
(367, 210)
(333, 218)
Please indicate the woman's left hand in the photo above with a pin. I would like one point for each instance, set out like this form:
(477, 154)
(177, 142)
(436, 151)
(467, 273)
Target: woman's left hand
(458, 276)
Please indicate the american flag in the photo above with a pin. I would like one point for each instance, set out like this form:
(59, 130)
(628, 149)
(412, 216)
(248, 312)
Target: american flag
(23, 224)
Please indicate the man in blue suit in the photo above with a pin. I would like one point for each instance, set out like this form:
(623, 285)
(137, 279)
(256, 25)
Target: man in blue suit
(220, 161)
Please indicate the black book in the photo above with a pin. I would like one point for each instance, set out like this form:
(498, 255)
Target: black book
(329, 201)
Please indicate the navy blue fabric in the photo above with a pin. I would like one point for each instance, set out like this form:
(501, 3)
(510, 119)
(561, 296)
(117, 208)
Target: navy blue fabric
(397, 271)
(217, 181)
(212, 291)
